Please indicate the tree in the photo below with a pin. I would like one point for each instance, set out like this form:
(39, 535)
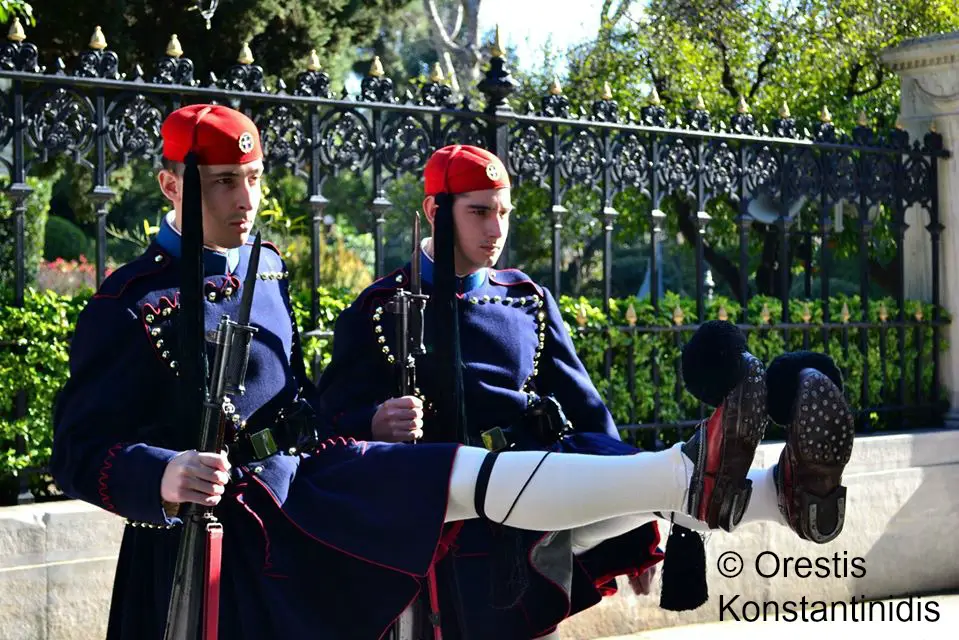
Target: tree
(454, 29)
(280, 34)
(819, 58)
(10, 9)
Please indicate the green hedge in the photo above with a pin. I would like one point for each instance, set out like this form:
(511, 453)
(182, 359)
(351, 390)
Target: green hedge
(34, 356)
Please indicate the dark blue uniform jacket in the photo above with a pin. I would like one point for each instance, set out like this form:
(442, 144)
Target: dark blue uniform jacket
(310, 539)
(514, 344)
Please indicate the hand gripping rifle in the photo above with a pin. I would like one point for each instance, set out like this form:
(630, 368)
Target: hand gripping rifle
(196, 579)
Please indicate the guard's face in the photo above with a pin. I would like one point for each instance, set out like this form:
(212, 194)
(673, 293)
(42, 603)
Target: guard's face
(231, 199)
(481, 219)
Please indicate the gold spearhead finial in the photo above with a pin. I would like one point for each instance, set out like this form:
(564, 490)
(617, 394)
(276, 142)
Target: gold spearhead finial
(376, 69)
(806, 313)
(654, 97)
(555, 88)
(784, 110)
(173, 48)
(899, 124)
(607, 91)
(700, 103)
(765, 315)
(631, 315)
(16, 33)
(918, 314)
(883, 312)
(844, 314)
(743, 105)
(313, 62)
(246, 55)
(723, 314)
(97, 41)
(436, 75)
(678, 316)
(581, 316)
(863, 120)
(497, 50)
(824, 115)
(932, 127)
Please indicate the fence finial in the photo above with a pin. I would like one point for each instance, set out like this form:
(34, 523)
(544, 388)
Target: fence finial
(497, 48)
(806, 312)
(824, 115)
(631, 315)
(678, 315)
(607, 91)
(556, 88)
(313, 62)
(700, 103)
(723, 314)
(376, 69)
(581, 316)
(863, 120)
(246, 55)
(844, 314)
(765, 315)
(654, 97)
(743, 105)
(784, 110)
(883, 313)
(16, 32)
(436, 75)
(899, 124)
(98, 41)
(932, 127)
(173, 48)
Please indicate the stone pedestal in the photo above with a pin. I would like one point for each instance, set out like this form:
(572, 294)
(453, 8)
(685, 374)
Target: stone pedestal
(929, 72)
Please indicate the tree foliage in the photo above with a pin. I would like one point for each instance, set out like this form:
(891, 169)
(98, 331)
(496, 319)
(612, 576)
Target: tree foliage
(813, 56)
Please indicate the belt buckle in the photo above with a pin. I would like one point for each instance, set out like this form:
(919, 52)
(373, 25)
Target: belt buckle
(263, 443)
(494, 439)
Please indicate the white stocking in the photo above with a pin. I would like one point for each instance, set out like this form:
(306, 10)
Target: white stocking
(568, 490)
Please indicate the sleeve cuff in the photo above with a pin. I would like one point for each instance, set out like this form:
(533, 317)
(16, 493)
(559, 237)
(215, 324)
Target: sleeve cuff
(129, 482)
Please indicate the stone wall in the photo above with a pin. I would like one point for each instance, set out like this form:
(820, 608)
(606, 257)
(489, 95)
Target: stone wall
(902, 514)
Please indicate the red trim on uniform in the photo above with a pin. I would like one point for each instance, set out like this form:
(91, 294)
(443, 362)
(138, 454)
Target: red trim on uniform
(267, 243)
(163, 265)
(104, 491)
(528, 280)
(655, 556)
(334, 547)
(267, 562)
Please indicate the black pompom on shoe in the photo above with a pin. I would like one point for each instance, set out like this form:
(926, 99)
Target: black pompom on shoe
(782, 381)
(712, 361)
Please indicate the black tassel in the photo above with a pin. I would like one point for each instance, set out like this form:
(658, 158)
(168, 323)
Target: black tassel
(192, 350)
(684, 571)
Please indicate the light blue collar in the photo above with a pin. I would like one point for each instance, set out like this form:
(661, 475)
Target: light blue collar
(465, 284)
(214, 262)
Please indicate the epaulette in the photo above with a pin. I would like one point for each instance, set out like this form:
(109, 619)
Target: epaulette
(512, 278)
(384, 286)
(150, 263)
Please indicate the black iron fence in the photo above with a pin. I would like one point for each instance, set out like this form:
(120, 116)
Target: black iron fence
(86, 110)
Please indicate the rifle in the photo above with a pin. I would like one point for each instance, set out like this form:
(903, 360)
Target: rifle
(408, 309)
(196, 576)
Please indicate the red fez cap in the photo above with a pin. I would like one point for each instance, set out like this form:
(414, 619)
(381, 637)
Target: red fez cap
(461, 168)
(217, 134)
